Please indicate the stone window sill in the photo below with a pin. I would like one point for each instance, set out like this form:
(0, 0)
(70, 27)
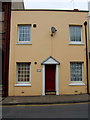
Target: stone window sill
(23, 43)
(76, 84)
(23, 85)
(76, 43)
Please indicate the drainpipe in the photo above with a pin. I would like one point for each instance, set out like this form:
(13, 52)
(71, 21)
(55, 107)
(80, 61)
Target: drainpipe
(85, 24)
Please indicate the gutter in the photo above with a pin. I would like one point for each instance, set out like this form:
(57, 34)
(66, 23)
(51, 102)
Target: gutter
(85, 24)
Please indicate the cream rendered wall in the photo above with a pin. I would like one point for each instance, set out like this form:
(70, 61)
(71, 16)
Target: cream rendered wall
(43, 46)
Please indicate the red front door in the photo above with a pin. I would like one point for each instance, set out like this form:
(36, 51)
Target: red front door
(50, 77)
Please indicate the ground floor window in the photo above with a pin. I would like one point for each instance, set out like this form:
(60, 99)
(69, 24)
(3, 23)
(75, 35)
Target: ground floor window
(23, 73)
(76, 71)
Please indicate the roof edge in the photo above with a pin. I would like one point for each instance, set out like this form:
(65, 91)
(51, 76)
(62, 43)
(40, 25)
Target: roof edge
(75, 10)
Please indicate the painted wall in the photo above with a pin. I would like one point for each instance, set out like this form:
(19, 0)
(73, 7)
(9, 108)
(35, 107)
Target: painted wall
(5, 16)
(44, 45)
(17, 5)
(6, 11)
(89, 43)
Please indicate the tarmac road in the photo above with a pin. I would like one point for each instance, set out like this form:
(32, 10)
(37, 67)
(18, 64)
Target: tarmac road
(76, 110)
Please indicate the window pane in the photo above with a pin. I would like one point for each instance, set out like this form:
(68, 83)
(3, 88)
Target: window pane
(75, 33)
(23, 72)
(72, 33)
(76, 71)
(24, 33)
(78, 33)
(1, 16)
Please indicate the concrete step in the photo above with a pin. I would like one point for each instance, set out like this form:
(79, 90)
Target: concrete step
(50, 93)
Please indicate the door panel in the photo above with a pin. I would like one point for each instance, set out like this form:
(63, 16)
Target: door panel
(50, 77)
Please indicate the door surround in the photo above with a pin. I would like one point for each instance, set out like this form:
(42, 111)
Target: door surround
(50, 60)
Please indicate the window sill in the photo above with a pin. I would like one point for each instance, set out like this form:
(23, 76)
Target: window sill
(76, 84)
(76, 43)
(22, 85)
(23, 43)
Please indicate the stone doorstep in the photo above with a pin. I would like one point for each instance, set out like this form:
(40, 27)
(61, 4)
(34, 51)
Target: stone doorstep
(50, 93)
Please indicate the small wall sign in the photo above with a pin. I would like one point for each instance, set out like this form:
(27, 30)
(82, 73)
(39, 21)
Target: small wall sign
(38, 70)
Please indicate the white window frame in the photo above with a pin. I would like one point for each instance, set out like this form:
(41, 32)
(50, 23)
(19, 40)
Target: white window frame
(75, 42)
(22, 83)
(78, 82)
(24, 42)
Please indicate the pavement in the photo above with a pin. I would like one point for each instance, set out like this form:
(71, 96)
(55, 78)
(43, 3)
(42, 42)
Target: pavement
(47, 99)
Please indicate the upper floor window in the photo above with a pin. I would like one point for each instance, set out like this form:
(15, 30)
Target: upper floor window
(24, 33)
(75, 34)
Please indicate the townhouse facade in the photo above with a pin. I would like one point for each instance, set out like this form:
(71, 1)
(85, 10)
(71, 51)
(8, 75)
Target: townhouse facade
(47, 52)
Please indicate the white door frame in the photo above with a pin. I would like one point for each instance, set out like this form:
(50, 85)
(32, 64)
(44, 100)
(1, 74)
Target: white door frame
(56, 80)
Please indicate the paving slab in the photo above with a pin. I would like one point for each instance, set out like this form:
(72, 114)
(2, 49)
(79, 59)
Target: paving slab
(47, 99)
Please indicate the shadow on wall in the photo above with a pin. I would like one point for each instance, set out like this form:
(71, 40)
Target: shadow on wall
(0, 66)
